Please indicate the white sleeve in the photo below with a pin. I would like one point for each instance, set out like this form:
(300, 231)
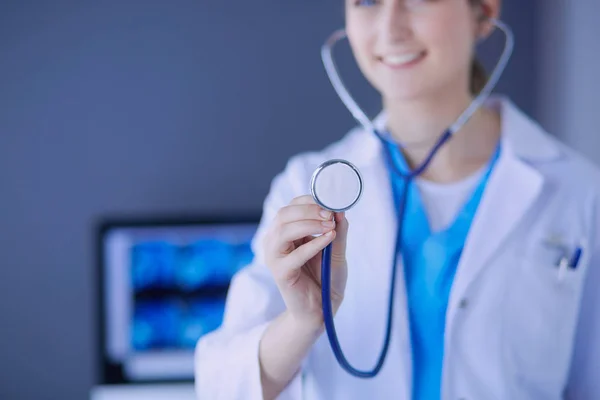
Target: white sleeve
(584, 381)
(226, 360)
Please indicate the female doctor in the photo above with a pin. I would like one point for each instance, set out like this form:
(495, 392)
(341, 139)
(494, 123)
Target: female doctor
(486, 306)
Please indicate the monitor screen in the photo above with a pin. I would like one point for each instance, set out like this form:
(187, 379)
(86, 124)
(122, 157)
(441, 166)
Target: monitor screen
(163, 286)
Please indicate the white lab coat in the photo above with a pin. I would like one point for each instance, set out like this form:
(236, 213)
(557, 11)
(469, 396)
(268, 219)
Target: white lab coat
(513, 330)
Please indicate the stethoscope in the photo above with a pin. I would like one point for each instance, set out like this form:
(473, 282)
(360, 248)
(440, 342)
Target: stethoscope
(337, 185)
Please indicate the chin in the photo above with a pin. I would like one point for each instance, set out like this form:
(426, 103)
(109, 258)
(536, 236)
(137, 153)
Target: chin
(407, 93)
(415, 90)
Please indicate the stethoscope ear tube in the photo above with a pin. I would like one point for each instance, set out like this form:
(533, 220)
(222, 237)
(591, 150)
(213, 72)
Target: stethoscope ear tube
(367, 124)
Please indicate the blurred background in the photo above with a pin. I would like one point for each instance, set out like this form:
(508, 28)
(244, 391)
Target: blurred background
(169, 119)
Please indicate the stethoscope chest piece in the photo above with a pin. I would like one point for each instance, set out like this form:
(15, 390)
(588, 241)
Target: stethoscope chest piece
(336, 185)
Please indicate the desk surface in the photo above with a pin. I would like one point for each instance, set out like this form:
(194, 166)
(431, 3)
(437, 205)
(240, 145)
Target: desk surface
(144, 392)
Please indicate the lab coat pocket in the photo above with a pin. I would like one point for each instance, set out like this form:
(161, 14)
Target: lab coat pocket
(539, 318)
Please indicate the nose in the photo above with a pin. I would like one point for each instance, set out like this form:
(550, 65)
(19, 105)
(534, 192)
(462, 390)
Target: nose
(395, 22)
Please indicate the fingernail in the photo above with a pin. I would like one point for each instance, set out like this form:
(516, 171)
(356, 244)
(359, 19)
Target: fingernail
(325, 214)
(329, 233)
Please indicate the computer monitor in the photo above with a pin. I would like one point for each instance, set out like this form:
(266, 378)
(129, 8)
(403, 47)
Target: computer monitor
(162, 285)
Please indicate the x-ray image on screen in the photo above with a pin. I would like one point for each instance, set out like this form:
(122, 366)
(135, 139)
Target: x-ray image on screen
(165, 287)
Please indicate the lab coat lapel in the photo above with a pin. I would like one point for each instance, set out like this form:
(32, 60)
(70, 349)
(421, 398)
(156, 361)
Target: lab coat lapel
(498, 214)
(511, 191)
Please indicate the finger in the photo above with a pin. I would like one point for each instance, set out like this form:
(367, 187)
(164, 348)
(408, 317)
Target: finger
(341, 224)
(338, 248)
(297, 212)
(297, 230)
(297, 258)
(305, 199)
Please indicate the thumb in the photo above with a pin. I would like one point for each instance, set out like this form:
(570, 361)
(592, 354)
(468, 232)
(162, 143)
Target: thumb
(338, 247)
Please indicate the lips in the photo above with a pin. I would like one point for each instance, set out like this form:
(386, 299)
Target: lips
(402, 60)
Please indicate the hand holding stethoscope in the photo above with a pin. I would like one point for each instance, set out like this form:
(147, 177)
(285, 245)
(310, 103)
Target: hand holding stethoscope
(293, 254)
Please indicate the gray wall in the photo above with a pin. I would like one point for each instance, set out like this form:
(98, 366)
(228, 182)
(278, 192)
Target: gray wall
(569, 78)
(170, 107)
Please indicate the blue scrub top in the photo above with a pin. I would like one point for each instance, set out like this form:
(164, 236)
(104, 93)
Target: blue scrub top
(430, 261)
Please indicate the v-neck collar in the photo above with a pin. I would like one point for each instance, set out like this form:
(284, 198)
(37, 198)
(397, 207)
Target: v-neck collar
(420, 228)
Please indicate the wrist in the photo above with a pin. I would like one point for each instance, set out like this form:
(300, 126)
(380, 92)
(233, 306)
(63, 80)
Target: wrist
(307, 327)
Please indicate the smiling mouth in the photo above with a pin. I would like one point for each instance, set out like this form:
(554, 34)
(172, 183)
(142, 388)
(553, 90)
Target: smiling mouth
(398, 61)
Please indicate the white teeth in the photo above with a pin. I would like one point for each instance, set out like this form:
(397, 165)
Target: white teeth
(401, 59)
